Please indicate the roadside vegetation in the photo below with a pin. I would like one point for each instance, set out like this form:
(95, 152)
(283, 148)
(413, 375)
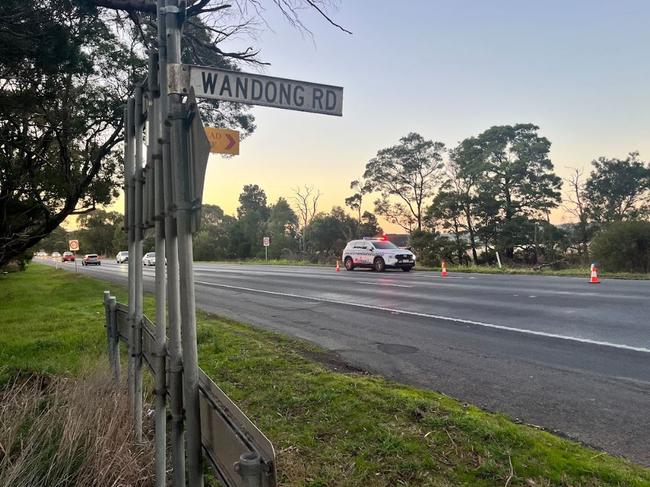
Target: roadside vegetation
(331, 425)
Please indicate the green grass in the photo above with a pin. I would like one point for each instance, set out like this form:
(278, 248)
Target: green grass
(569, 272)
(328, 427)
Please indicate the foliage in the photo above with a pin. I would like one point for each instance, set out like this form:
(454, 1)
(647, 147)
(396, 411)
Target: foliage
(282, 228)
(60, 116)
(431, 248)
(623, 247)
(618, 189)
(97, 232)
(408, 172)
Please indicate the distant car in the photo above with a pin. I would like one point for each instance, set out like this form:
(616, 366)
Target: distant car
(67, 257)
(122, 256)
(149, 258)
(55, 255)
(90, 259)
(378, 254)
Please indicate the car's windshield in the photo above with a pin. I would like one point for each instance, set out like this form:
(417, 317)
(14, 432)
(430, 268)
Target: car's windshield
(150, 254)
(384, 244)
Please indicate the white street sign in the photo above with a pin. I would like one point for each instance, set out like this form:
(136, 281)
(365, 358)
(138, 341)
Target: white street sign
(256, 89)
(267, 241)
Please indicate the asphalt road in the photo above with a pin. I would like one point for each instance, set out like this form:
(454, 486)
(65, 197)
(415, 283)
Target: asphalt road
(555, 352)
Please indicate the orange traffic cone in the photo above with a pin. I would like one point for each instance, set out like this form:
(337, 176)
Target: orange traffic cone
(594, 275)
(338, 267)
(444, 269)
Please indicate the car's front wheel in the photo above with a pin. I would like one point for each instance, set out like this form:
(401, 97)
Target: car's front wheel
(379, 265)
(349, 264)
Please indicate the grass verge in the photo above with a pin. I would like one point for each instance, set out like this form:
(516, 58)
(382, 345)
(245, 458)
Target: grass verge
(569, 272)
(329, 427)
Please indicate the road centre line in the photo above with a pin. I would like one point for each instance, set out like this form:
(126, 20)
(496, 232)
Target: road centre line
(382, 284)
(437, 317)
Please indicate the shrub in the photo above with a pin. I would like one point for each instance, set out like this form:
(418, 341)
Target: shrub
(624, 247)
(57, 431)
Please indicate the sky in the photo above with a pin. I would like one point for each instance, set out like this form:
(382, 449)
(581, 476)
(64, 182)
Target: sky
(448, 70)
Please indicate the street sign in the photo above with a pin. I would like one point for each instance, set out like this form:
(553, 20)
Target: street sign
(199, 151)
(227, 434)
(73, 245)
(223, 141)
(255, 89)
(267, 241)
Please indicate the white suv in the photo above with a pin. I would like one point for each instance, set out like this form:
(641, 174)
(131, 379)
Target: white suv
(378, 254)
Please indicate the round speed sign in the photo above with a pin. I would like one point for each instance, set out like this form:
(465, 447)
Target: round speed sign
(73, 245)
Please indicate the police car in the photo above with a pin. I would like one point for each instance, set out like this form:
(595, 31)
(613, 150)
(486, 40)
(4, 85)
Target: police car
(378, 254)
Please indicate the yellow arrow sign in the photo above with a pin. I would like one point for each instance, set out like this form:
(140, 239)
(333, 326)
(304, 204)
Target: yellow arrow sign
(223, 141)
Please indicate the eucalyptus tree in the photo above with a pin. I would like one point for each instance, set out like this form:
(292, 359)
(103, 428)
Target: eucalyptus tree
(407, 176)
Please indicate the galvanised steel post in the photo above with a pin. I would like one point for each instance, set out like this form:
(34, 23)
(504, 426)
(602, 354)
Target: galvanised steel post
(115, 344)
(160, 427)
(180, 133)
(129, 168)
(109, 349)
(171, 252)
(137, 260)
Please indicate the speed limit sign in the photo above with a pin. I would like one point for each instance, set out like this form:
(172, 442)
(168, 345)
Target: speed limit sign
(266, 241)
(73, 245)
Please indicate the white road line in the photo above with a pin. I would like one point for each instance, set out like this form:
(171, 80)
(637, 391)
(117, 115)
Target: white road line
(382, 284)
(437, 317)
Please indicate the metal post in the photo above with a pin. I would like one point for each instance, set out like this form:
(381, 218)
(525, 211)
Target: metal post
(160, 438)
(115, 338)
(109, 349)
(129, 191)
(171, 253)
(137, 264)
(185, 257)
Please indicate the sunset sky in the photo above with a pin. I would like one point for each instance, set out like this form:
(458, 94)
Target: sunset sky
(447, 70)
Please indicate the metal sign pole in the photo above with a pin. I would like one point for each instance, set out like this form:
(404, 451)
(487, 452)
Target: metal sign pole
(137, 261)
(129, 168)
(180, 135)
(160, 427)
(171, 254)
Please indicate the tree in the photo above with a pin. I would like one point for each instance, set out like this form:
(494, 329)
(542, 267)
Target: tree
(306, 199)
(282, 227)
(214, 239)
(60, 120)
(408, 172)
(328, 233)
(576, 204)
(97, 231)
(618, 189)
(369, 226)
(447, 210)
(519, 173)
(623, 246)
(431, 248)
(56, 241)
(252, 215)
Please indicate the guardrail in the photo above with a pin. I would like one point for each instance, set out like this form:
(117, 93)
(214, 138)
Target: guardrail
(237, 451)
